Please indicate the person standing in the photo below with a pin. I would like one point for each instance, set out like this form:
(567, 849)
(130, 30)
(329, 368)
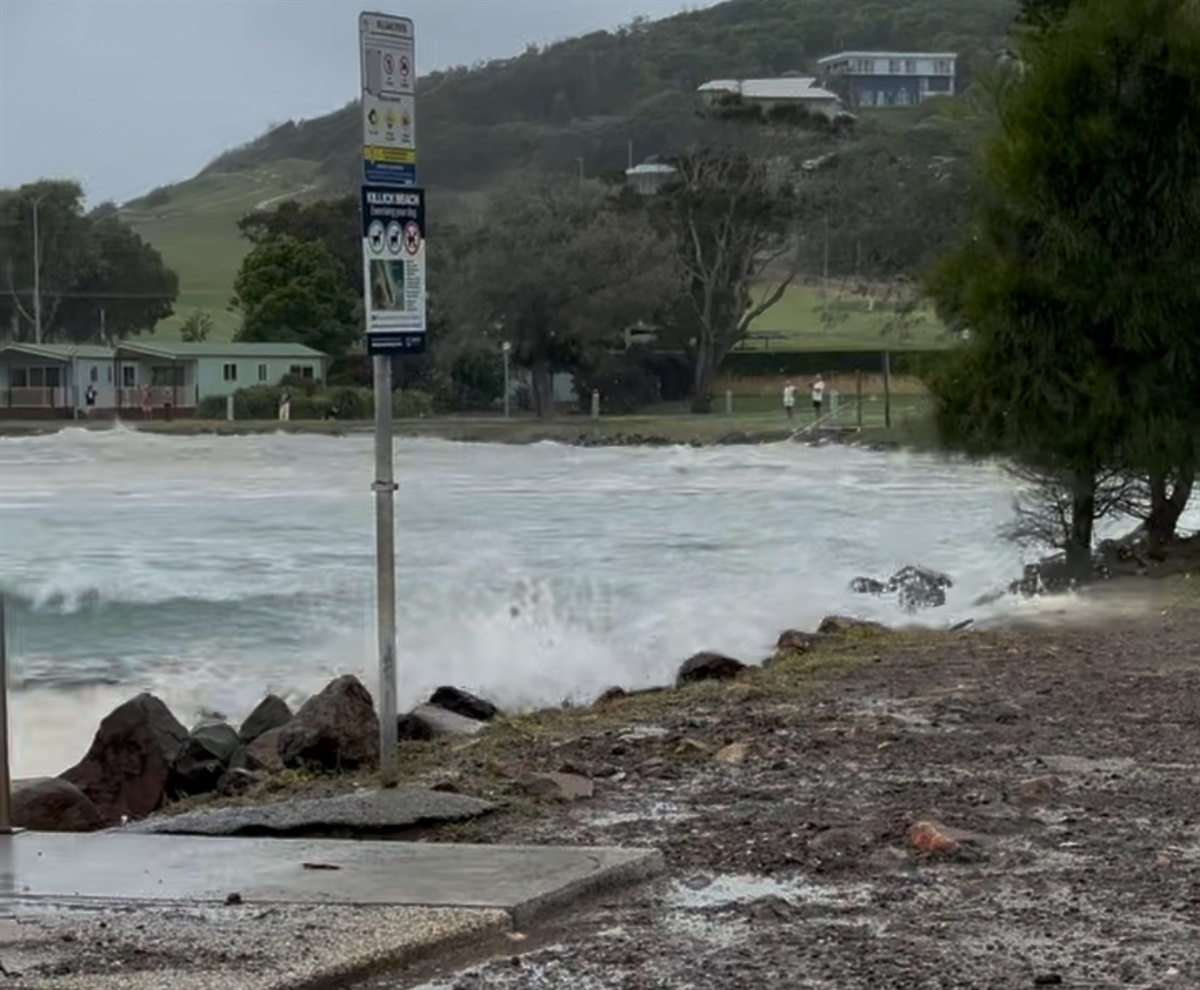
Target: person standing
(89, 401)
(285, 406)
(147, 402)
(818, 397)
(789, 401)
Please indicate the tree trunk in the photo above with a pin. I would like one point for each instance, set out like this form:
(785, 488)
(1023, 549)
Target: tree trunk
(543, 389)
(1083, 519)
(1168, 498)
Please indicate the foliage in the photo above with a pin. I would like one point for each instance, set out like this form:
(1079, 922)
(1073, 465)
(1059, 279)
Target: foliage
(588, 97)
(332, 222)
(96, 278)
(550, 268)
(197, 327)
(477, 378)
(261, 402)
(1078, 276)
(295, 291)
(625, 382)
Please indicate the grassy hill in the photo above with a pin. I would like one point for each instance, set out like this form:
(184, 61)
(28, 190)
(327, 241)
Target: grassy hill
(587, 98)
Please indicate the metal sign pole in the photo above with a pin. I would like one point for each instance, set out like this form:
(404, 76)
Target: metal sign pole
(5, 776)
(385, 572)
(393, 232)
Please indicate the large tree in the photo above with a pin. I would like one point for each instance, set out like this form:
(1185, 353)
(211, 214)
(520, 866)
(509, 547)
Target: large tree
(70, 275)
(548, 266)
(1078, 277)
(291, 290)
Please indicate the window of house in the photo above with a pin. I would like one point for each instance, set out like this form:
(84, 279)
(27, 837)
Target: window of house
(262, 372)
(942, 67)
(94, 375)
(894, 66)
(19, 377)
(910, 66)
(166, 376)
(36, 377)
(229, 373)
(302, 370)
(128, 375)
(110, 374)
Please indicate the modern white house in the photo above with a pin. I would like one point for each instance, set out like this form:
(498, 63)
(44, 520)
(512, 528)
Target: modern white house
(786, 91)
(51, 380)
(889, 79)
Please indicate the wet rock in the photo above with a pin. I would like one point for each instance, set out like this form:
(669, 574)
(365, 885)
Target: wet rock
(334, 730)
(128, 766)
(562, 786)
(263, 753)
(268, 714)
(770, 908)
(50, 804)
(796, 641)
(733, 754)
(708, 666)
(203, 758)
(612, 694)
(427, 722)
(915, 587)
(238, 781)
(464, 703)
(1038, 790)
(840, 625)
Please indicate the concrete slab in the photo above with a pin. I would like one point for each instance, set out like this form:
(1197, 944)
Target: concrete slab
(247, 947)
(129, 911)
(360, 812)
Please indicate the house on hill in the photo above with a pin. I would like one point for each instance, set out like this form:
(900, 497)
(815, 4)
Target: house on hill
(888, 79)
(770, 94)
(52, 380)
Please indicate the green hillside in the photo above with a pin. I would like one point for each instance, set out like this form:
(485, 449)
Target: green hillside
(585, 99)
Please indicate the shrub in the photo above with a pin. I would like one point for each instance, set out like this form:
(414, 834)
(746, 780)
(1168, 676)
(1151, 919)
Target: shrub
(411, 404)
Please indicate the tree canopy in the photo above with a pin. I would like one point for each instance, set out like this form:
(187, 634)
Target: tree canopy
(92, 278)
(1078, 275)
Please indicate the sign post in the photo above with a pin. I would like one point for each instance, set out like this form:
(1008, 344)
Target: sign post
(5, 774)
(393, 238)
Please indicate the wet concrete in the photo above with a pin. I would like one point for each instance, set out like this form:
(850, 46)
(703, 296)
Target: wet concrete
(362, 812)
(126, 911)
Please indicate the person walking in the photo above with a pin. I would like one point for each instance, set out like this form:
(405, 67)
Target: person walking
(147, 402)
(818, 397)
(89, 401)
(789, 401)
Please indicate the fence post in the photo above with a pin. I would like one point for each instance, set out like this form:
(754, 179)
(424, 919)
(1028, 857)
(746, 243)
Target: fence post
(229, 408)
(858, 389)
(887, 389)
(595, 403)
(729, 402)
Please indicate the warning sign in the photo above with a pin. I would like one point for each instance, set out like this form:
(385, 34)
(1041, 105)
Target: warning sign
(394, 269)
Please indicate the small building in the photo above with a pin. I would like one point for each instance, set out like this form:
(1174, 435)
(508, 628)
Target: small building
(49, 380)
(889, 79)
(650, 177)
(769, 94)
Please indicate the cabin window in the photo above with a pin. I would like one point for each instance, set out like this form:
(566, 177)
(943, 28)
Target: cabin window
(302, 370)
(36, 377)
(229, 373)
(94, 375)
(128, 375)
(262, 372)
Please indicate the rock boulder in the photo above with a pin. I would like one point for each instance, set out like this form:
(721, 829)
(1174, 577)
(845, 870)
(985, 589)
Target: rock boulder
(427, 722)
(334, 730)
(268, 714)
(51, 804)
(839, 625)
(708, 666)
(127, 768)
(464, 703)
(203, 758)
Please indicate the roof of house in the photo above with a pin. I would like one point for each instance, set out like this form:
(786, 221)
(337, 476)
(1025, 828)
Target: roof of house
(786, 88)
(176, 350)
(59, 352)
(889, 55)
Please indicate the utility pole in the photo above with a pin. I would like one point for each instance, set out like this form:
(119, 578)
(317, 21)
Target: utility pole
(629, 157)
(507, 348)
(579, 162)
(37, 275)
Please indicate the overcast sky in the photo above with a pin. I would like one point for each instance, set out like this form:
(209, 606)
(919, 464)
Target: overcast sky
(125, 95)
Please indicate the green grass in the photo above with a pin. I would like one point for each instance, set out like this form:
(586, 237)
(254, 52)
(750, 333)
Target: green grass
(196, 232)
(836, 321)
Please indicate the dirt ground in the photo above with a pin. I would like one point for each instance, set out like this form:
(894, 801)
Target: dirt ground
(1060, 765)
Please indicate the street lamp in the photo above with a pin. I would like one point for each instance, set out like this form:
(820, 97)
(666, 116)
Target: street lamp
(37, 272)
(506, 347)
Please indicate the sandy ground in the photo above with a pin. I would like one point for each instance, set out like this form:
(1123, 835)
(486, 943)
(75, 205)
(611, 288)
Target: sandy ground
(1061, 765)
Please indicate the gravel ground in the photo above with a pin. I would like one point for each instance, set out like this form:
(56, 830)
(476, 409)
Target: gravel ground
(1060, 767)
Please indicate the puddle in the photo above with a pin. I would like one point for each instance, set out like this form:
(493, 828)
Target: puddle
(657, 811)
(724, 890)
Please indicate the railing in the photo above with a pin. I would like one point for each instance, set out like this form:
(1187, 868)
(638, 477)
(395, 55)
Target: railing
(36, 398)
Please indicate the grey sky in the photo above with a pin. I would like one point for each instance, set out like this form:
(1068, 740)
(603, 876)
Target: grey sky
(125, 95)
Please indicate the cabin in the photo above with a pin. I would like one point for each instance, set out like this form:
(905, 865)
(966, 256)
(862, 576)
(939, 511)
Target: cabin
(888, 79)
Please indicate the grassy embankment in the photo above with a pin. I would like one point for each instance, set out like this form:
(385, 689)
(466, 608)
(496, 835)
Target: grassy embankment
(497, 763)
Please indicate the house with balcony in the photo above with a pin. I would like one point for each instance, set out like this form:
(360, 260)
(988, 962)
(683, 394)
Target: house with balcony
(770, 94)
(888, 79)
(52, 380)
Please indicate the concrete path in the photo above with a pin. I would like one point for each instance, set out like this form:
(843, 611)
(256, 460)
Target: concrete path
(119, 911)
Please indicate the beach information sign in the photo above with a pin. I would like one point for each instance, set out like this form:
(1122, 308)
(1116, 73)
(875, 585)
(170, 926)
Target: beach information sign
(393, 207)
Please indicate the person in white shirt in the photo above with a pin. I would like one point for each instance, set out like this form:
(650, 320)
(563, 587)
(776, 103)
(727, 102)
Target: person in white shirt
(818, 396)
(789, 400)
